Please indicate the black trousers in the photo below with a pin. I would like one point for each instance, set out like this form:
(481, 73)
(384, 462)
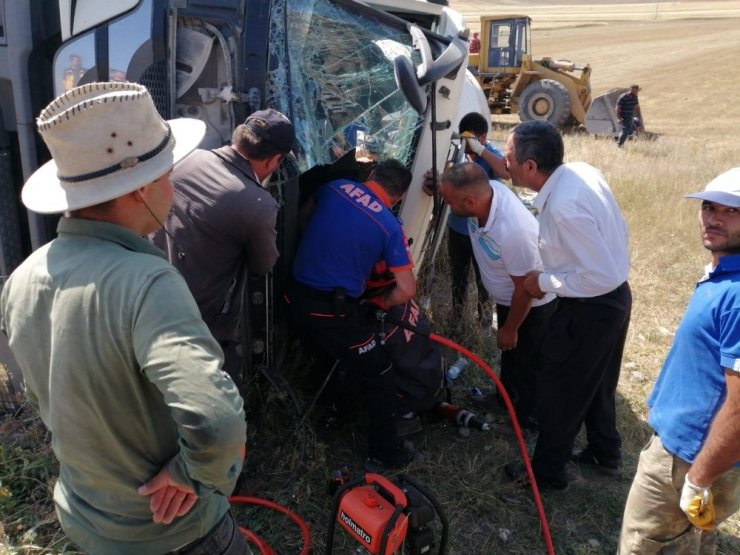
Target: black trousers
(461, 255)
(345, 333)
(232, 361)
(581, 360)
(520, 366)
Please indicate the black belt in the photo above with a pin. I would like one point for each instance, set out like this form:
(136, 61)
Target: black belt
(313, 293)
(337, 296)
(613, 298)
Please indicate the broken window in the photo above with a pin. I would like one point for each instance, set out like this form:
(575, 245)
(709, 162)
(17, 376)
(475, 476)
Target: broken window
(331, 70)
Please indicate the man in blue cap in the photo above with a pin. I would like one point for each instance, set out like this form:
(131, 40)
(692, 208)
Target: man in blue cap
(222, 225)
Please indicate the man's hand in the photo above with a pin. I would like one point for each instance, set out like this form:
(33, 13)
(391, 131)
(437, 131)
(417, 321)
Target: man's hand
(506, 339)
(532, 285)
(378, 301)
(428, 185)
(168, 498)
(698, 504)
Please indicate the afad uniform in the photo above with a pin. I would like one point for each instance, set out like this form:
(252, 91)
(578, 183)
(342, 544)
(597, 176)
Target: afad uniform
(350, 230)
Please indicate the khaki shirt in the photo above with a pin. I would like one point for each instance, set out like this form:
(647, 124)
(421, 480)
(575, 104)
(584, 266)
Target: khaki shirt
(126, 377)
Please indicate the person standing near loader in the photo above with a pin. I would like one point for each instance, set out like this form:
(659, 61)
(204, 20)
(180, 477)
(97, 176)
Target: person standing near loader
(148, 430)
(628, 108)
(688, 477)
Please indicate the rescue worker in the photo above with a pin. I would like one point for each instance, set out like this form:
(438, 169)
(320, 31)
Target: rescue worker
(351, 228)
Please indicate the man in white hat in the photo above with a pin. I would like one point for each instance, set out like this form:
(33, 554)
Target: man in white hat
(688, 477)
(148, 430)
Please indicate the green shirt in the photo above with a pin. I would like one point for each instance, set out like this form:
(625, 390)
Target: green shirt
(128, 379)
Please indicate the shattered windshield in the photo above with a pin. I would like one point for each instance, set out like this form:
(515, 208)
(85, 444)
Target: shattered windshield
(331, 69)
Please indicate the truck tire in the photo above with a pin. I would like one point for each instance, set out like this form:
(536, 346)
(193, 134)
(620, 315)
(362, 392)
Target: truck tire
(11, 246)
(545, 100)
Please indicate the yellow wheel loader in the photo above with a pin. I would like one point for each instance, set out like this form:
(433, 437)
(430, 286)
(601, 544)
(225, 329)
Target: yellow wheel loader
(558, 91)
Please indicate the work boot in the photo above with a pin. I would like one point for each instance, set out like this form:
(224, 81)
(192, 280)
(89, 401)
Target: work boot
(518, 473)
(610, 466)
(408, 424)
(399, 458)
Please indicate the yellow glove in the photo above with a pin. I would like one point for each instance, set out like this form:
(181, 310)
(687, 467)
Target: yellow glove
(698, 504)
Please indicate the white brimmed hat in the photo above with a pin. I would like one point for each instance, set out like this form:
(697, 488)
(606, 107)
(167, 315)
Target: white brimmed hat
(106, 140)
(723, 189)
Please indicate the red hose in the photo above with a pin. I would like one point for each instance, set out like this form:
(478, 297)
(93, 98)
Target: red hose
(259, 541)
(265, 549)
(517, 431)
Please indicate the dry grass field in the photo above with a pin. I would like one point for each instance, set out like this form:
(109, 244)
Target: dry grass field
(685, 57)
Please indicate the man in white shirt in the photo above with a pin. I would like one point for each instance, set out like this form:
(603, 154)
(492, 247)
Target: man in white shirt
(584, 247)
(503, 234)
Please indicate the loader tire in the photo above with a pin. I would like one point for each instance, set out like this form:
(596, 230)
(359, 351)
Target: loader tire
(545, 100)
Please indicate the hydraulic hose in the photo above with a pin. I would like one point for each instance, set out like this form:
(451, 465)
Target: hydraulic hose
(263, 546)
(383, 315)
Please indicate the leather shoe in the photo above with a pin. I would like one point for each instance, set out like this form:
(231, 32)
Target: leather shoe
(517, 473)
(612, 466)
(400, 458)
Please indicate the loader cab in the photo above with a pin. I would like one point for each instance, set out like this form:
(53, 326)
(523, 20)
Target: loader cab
(505, 41)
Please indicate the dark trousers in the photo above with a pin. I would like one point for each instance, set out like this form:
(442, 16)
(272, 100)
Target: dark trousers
(461, 255)
(348, 335)
(520, 366)
(232, 361)
(224, 539)
(581, 360)
(628, 128)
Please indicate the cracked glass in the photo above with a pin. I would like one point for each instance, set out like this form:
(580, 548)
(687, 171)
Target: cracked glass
(331, 69)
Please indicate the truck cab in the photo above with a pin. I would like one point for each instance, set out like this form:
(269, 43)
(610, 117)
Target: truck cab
(352, 77)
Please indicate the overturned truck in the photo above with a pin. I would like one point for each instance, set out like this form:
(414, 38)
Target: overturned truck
(347, 74)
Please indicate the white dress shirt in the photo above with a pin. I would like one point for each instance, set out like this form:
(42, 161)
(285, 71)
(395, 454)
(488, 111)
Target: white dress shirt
(506, 245)
(583, 236)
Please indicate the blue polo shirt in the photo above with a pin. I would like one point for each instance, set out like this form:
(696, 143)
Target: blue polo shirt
(458, 223)
(350, 230)
(691, 386)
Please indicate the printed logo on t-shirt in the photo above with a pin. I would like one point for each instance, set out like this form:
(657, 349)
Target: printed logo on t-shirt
(361, 197)
(489, 246)
(736, 366)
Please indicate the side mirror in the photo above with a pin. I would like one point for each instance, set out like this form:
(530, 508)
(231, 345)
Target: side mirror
(451, 58)
(408, 84)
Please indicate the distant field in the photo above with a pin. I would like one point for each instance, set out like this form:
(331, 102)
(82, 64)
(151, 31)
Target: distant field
(685, 66)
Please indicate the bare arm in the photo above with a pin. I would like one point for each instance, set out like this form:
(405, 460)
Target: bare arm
(532, 284)
(497, 164)
(721, 450)
(521, 302)
(405, 288)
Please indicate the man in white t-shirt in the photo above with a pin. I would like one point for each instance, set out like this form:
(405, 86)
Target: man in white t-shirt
(504, 235)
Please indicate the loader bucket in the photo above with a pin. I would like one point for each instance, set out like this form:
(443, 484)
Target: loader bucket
(601, 119)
